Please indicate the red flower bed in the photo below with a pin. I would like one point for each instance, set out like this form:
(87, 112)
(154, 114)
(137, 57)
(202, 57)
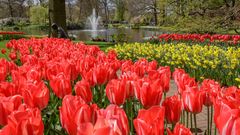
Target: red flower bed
(198, 38)
(11, 33)
(54, 86)
(8, 35)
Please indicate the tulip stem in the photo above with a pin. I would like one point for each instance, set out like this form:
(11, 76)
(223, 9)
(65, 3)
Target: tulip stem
(165, 95)
(215, 130)
(131, 116)
(184, 117)
(191, 121)
(208, 121)
(173, 125)
(187, 119)
(195, 122)
(211, 120)
(100, 95)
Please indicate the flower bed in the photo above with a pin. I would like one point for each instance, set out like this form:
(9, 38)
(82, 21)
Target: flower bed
(7, 35)
(206, 39)
(221, 64)
(54, 86)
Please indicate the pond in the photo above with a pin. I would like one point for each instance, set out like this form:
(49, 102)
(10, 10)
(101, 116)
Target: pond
(128, 34)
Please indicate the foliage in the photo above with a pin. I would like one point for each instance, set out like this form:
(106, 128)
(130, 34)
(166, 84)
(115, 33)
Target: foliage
(120, 10)
(38, 14)
(214, 62)
(120, 37)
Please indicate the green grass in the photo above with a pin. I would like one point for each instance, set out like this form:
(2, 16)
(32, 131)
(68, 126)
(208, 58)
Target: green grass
(3, 46)
(102, 45)
(3, 43)
(98, 43)
(24, 27)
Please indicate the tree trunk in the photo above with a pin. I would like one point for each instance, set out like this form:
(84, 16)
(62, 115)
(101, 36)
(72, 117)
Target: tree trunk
(106, 12)
(80, 10)
(57, 14)
(70, 10)
(10, 8)
(120, 10)
(155, 12)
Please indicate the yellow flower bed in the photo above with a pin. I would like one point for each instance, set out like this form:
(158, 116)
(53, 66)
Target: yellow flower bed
(221, 64)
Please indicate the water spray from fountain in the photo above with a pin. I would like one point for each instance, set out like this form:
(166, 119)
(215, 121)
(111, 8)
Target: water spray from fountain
(94, 21)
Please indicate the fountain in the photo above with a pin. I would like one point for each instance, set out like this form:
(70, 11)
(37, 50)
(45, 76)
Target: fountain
(94, 20)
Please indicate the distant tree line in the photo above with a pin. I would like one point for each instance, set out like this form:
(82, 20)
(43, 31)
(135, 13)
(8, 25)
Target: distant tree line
(197, 15)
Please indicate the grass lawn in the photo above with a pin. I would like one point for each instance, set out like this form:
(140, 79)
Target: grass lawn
(2, 46)
(103, 45)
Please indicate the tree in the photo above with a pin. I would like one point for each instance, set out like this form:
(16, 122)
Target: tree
(105, 4)
(70, 5)
(13, 8)
(38, 15)
(120, 10)
(57, 14)
(42, 2)
(145, 8)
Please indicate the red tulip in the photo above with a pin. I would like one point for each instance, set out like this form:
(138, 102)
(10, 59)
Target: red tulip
(112, 54)
(173, 109)
(7, 106)
(75, 112)
(115, 118)
(101, 129)
(112, 121)
(13, 56)
(179, 130)
(12, 66)
(130, 78)
(61, 85)
(116, 91)
(140, 70)
(6, 131)
(88, 76)
(177, 73)
(150, 122)
(36, 95)
(126, 66)
(70, 106)
(229, 92)
(209, 90)
(52, 69)
(25, 122)
(152, 65)
(83, 89)
(101, 74)
(182, 79)
(85, 64)
(149, 92)
(8, 89)
(3, 51)
(34, 74)
(18, 80)
(73, 68)
(163, 73)
(192, 100)
(227, 116)
(3, 69)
